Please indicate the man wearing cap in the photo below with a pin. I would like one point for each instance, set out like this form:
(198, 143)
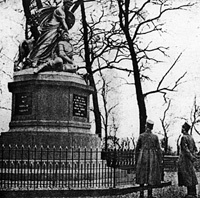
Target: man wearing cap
(186, 172)
(148, 159)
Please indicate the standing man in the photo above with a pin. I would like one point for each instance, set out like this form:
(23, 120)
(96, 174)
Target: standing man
(186, 172)
(148, 159)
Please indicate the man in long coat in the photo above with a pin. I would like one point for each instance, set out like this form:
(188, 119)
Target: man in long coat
(186, 172)
(148, 159)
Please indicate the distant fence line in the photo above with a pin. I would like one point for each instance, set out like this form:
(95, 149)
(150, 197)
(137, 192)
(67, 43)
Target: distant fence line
(63, 168)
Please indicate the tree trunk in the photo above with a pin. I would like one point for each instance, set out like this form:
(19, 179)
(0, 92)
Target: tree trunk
(39, 4)
(89, 71)
(166, 145)
(97, 114)
(138, 86)
(124, 24)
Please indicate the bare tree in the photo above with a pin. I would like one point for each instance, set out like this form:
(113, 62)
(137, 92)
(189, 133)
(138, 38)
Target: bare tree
(89, 61)
(113, 131)
(195, 117)
(122, 38)
(135, 22)
(165, 126)
(170, 88)
(107, 115)
(112, 141)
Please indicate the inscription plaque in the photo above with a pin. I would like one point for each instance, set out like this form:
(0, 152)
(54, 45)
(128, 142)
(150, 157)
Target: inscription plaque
(79, 106)
(23, 103)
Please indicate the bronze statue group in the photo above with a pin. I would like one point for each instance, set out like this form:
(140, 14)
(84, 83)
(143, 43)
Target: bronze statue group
(51, 49)
(149, 159)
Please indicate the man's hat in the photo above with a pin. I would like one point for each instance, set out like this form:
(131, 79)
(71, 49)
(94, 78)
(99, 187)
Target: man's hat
(149, 124)
(186, 126)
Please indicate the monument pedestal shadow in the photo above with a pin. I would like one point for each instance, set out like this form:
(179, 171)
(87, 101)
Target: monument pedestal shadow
(50, 108)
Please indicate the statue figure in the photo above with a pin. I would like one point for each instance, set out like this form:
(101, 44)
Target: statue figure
(63, 58)
(24, 49)
(50, 49)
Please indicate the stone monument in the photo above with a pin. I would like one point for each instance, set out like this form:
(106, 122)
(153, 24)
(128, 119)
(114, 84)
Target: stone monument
(50, 102)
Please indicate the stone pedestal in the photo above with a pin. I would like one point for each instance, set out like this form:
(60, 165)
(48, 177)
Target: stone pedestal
(50, 108)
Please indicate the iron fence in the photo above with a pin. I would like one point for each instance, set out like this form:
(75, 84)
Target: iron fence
(49, 168)
(63, 168)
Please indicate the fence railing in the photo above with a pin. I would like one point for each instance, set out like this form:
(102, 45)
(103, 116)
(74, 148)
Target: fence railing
(34, 168)
(62, 168)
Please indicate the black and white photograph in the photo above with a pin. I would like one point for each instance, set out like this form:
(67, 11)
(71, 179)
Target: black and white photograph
(99, 99)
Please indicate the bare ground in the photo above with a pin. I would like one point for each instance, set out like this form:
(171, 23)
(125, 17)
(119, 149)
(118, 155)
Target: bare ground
(173, 191)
